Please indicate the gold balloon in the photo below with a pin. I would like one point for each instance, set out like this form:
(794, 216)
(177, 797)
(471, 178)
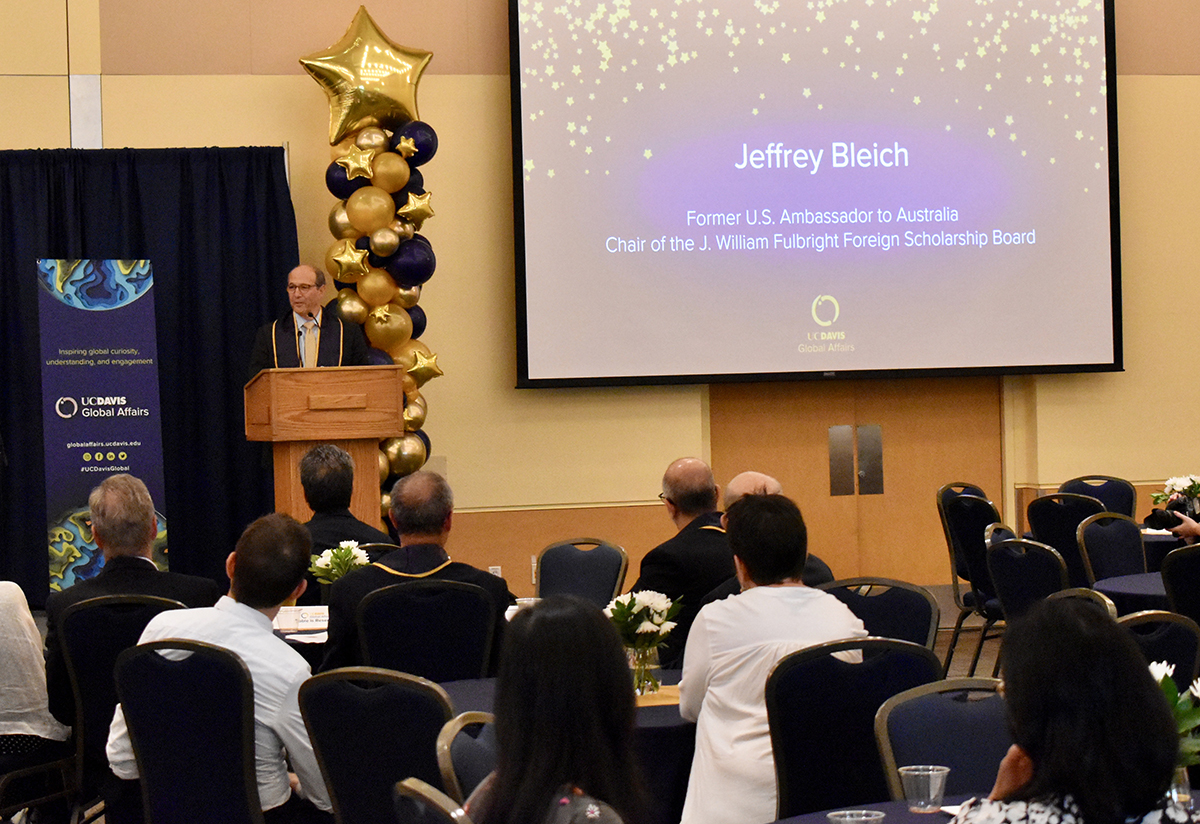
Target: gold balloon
(406, 355)
(339, 222)
(352, 307)
(370, 81)
(341, 147)
(414, 415)
(385, 500)
(389, 171)
(370, 208)
(408, 297)
(345, 262)
(385, 469)
(425, 369)
(384, 241)
(417, 209)
(372, 138)
(388, 327)
(377, 287)
(409, 384)
(407, 147)
(356, 162)
(403, 228)
(406, 454)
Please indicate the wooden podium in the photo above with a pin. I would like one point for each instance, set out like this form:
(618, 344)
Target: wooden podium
(354, 407)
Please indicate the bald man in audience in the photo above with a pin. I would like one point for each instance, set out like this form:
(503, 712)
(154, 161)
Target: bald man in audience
(697, 559)
(815, 572)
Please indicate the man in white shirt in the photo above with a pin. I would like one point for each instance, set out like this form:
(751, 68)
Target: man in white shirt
(732, 648)
(265, 569)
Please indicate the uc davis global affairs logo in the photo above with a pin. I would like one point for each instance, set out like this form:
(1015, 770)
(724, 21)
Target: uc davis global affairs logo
(825, 313)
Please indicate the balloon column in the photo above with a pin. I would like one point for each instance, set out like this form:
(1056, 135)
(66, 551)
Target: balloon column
(378, 145)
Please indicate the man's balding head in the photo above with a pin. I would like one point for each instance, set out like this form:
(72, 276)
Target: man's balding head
(688, 485)
(751, 483)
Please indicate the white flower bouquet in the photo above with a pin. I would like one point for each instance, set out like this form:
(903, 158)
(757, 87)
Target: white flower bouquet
(332, 564)
(1183, 705)
(1185, 486)
(643, 620)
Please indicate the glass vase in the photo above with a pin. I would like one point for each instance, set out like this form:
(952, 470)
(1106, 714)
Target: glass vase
(1181, 788)
(643, 662)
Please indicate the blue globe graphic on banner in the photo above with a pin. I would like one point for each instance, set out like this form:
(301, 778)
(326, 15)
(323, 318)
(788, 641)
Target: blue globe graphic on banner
(95, 285)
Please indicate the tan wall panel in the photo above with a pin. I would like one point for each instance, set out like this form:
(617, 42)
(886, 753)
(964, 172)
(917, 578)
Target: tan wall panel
(83, 31)
(508, 539)
(1135, 424)
(39, 113)
(269, 36)
(33, 39)
(1157, 36)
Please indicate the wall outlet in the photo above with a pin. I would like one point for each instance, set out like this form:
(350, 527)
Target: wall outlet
(495, 570)
(533, 570)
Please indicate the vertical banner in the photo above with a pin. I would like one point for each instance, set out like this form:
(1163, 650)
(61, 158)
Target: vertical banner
(99, 397)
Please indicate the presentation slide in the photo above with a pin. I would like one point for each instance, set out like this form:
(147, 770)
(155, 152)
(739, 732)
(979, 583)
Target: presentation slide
(710, 189)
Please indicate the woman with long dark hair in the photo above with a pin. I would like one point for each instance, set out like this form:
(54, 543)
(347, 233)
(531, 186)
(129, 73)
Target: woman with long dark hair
(564, 722)
(1095, 739)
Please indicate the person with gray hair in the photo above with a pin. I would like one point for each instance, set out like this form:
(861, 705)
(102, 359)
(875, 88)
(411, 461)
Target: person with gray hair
(124, 526)
(422, 512)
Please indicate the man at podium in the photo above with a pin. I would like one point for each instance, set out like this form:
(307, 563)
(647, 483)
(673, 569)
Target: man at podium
(310, 334)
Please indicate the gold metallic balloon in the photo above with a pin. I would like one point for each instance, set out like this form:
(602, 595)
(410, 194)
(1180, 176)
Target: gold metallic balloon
(409, 384)
(385, 469)
(406, 355)
(406, 454)
(377, 287)
(414, 415)
(341, 147)
(345, 262)
(357, 162)
(403, 228)
(352, 307)
(389, 171)
(388, 327)
(408, 296)
(372, 138)
(417, 209)
(385, 500)
(370, 81)
(339, 222)
(425, 368)
(370, 208)
(384, 241)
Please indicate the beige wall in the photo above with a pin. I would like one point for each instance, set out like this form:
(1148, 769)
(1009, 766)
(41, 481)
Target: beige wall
(226, 73)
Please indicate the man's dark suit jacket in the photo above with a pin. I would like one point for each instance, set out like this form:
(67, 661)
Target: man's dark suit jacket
(411, 563)
(120, 576)
(687, 566)
(328, 529)
(276, 343)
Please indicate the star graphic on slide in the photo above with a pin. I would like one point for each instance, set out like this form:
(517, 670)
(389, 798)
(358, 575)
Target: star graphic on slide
(370, 80)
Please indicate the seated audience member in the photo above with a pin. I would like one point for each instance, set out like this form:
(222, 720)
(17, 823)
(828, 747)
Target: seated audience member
(327, 475)
(29, 735)
(696, 559)
(266, 568)
(1095, 743)
(734, 645)
(815, 572)
(422, 512)
(124, 526)
(564, 723)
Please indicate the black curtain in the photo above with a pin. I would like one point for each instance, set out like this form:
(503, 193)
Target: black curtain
(218, 227)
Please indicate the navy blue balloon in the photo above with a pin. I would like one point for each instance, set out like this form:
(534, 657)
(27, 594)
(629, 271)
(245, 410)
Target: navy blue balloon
(416, 185)
(341, 186)
(423, 136)
(413, 263)
(420, 433)
(418, 319)
(377, 357)
(420, 238)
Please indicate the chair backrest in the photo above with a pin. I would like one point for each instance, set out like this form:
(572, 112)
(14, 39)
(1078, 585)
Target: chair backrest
(465, 760)
(1181, 578)
(995, 533)
(1111, 545)
(889, 608)
(967, 519)
(591, 568)
(94, 633)
(821, 714)
(1167, 636)
(1117, 494)
(944, 495)
(959, 723)
(377, 551)
(418, 803)
(1024, 572)
(440, 630)
(370, 728)
(189, 707)
(1098, 598)
(1054, 519)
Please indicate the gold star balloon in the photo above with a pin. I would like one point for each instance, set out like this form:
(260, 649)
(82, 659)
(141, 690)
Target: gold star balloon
(346, 262)
(357, 163)
(407, 147)
(418, 209)
(424, 368)
(370, 80)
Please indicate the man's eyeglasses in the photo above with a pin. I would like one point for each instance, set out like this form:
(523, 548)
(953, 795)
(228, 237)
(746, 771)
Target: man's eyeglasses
(301, 287)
